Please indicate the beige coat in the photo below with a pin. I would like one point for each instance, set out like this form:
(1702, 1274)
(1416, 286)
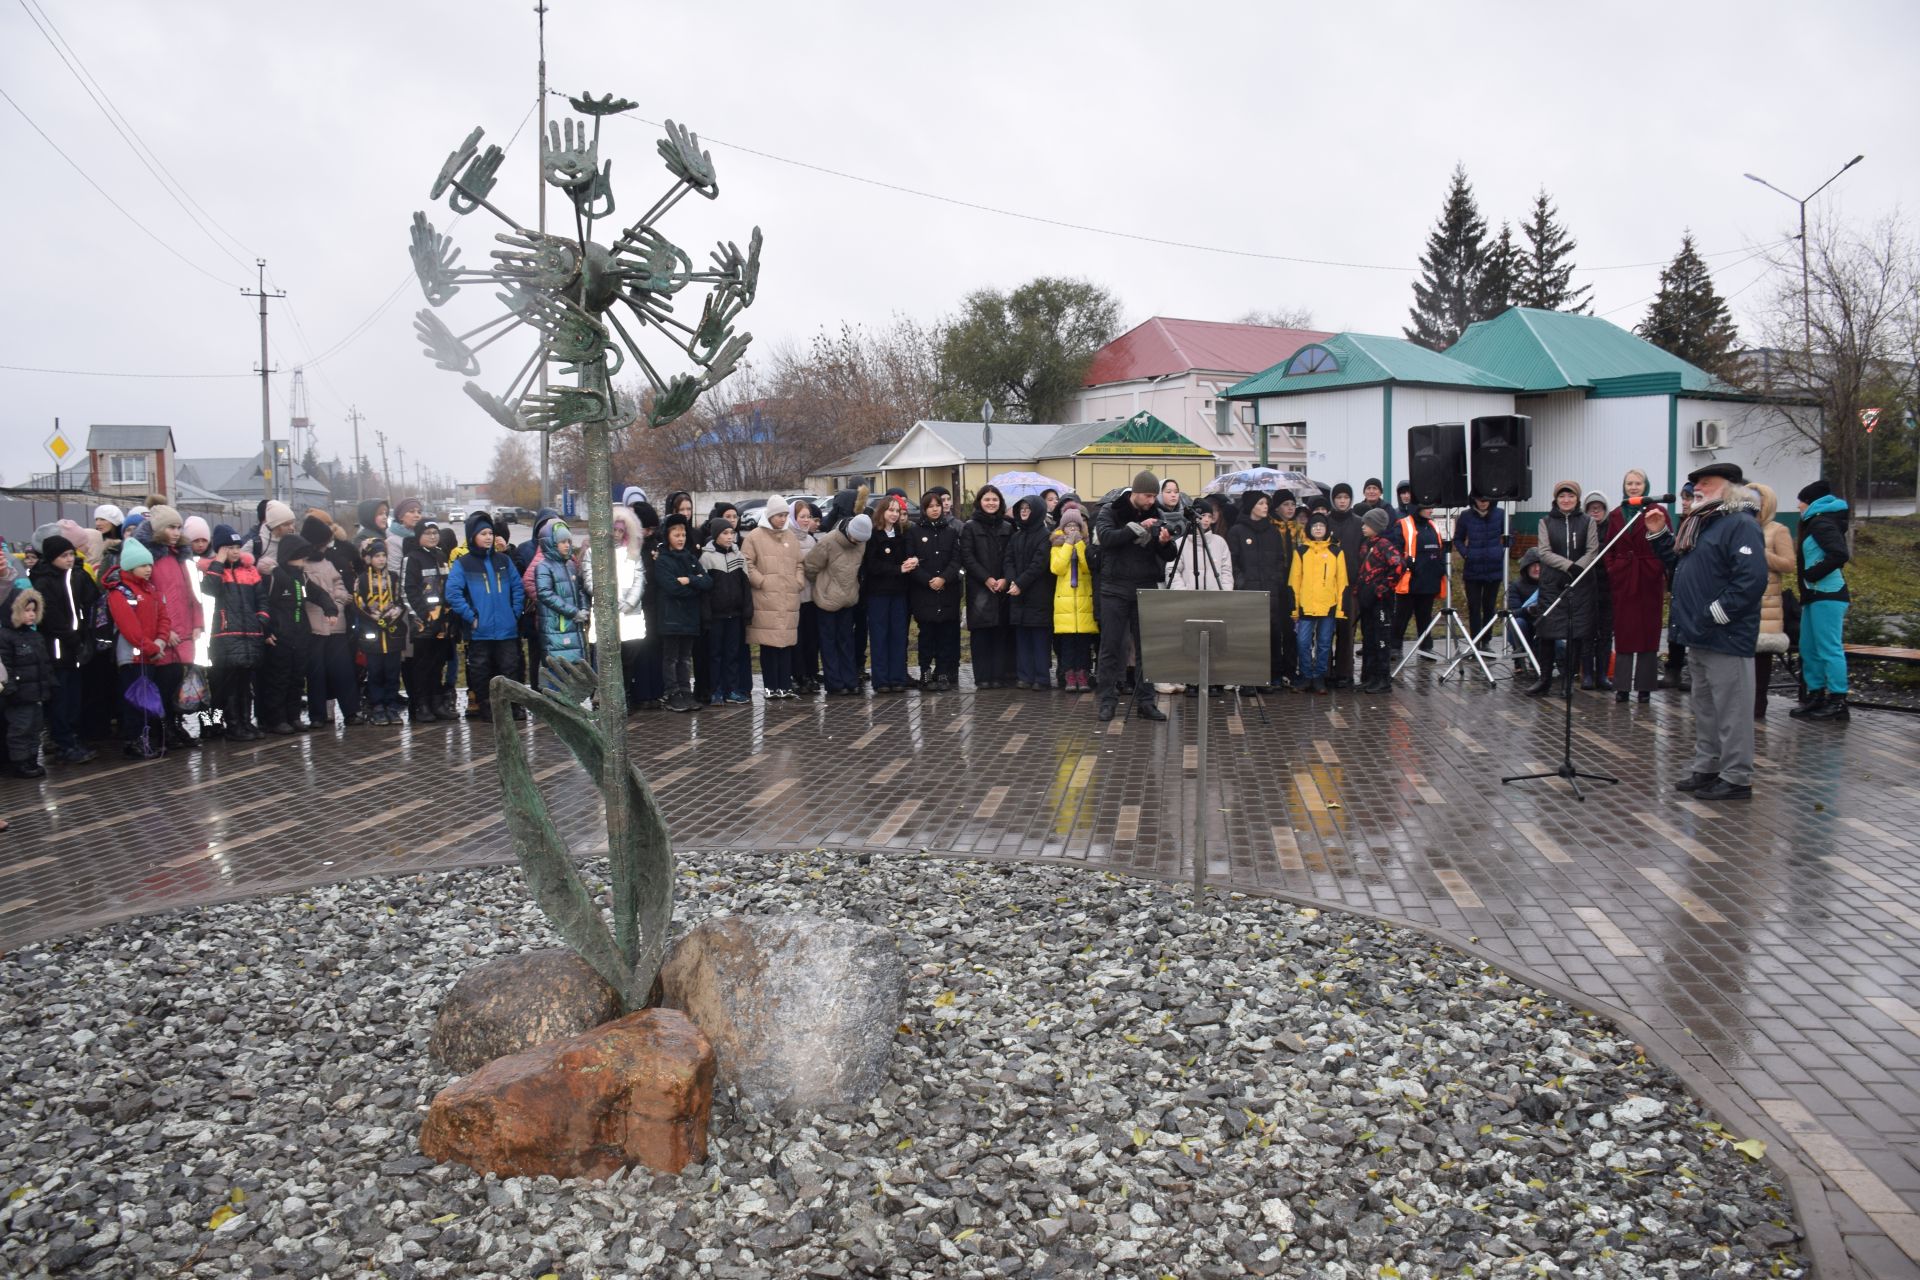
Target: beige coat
(1779, 543)
(834, 566)
(323, 576)
(774, 573)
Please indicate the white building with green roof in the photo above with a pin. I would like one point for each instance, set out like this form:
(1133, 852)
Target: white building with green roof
(1601, 399)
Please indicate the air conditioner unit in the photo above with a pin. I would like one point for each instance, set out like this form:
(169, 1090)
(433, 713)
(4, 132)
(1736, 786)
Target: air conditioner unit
(1709, 434)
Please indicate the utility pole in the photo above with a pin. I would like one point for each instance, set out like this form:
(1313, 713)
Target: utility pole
(266, 413)
(386, 476)
(540, 182)
(403, 468)
(355, 417)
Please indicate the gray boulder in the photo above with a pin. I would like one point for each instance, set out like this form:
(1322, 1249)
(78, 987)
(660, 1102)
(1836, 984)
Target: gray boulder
(801, 1011)
(516, 1003)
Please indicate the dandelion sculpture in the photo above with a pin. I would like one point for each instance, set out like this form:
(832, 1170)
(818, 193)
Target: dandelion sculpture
(568, 291)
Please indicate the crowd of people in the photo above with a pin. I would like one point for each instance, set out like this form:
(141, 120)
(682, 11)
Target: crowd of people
(166, 633)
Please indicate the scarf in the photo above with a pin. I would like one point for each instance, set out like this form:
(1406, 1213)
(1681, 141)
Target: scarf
(1691, 524)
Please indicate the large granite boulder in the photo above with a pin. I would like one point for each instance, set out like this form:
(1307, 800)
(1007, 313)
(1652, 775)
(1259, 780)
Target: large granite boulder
(801, 1011)
(514, 1003)
(635, 1091)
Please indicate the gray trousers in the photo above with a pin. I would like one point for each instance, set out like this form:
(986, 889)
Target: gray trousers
(1723, 715)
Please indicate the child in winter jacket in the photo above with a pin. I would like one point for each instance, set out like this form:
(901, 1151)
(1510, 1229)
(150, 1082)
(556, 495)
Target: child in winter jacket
(725, 611)
(560, 597)
(1073, 612)
(1381, 564)
(28, 682)
(72, 597)
(237, 627)
(1318, 584)
(679, 582)
(142, 630)
(283, 670)
(379, 629)
(329, 593)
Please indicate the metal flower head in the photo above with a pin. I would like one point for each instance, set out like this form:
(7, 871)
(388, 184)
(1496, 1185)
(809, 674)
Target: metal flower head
(570, 290)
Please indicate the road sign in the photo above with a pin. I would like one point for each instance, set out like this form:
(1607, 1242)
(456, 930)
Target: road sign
(1869, 418)
(59, 447)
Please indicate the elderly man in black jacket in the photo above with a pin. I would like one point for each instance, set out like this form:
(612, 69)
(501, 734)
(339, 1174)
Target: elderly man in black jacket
(1135, 549)
(1718, 582)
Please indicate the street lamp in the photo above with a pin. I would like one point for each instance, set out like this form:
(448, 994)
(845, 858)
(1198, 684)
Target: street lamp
(1806, 305)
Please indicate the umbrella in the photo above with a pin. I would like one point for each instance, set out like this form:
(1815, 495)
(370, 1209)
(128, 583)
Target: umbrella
(1263, 479)
(1015, 485)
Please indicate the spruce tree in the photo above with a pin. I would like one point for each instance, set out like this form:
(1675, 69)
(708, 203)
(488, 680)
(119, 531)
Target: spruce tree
(1500, 278)
(1688, 318)
(1444, 297)
(1546, 267)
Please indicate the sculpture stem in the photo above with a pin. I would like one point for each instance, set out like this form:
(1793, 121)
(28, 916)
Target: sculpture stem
(610, 702)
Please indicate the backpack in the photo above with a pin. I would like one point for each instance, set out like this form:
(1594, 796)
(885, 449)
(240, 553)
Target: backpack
(104, 632)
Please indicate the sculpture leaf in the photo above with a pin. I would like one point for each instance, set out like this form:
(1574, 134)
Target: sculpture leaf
(687, 162)
(458, 158)
(445, 350)
(587, 105)
(569, 159)
(477, 181)
(500, 412)
(435, 260)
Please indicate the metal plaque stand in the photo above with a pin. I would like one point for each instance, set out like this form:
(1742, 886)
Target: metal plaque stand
(1204, 637)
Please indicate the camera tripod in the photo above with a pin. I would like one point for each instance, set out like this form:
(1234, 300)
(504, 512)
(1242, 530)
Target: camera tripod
(1446, 616)
(1501, 614)
(1567, 769)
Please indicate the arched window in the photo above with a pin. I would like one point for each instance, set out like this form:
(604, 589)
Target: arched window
(1312, 359)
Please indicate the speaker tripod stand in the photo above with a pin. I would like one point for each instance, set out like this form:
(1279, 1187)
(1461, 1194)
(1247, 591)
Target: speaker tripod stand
(1566, 769)
(1501, 614)
(1447, 617)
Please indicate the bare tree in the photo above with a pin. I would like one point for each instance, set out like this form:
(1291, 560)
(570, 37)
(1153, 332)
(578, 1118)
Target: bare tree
(1861, 309)
(1282, 317)
(511, 479)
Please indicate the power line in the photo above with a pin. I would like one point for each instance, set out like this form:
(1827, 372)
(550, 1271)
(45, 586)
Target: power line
(1731, 266)
(1076, 226)
(128, 135)
(101, 373)
(109, 199)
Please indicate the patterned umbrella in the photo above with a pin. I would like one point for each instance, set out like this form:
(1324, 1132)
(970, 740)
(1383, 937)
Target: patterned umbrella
(1015, 485)
(1263, 479)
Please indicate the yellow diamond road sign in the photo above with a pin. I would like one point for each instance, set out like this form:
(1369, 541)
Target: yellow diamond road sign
(59, 446)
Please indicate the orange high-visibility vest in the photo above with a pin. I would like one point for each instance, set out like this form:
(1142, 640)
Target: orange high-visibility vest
(1410, 534)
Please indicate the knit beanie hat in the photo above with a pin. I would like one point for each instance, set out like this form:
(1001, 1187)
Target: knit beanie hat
(1318, 520)
(317, 532)
(1373, 482)
(631, 494)
(1282, 495)
(135, 554)
(1146, 482)
(1070, 515)
(196, 528)
(224, 535)
(860, 528)
(293, 549)
(1377, 520)
(55, 547)
(776, 505)
(406, 508)
(107, 511)
(1343, 487)
(163, 518)
(1817, 490)
(278, 513)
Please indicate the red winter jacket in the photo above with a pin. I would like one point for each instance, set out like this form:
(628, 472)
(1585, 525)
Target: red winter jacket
(141, 619)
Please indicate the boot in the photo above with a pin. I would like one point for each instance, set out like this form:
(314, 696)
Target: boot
(1149, 711)
(1543, 686)
(1696, 781)
(1833, 708)
(1107, 708)
(1816, 699)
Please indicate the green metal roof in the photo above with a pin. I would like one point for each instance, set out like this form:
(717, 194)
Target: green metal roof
(1366, 360)
(1555, 350)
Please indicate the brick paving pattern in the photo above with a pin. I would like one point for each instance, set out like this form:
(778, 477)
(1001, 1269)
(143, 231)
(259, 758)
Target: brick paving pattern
(1775, 945)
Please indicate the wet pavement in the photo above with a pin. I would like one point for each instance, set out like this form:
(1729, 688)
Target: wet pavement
(1772, 946)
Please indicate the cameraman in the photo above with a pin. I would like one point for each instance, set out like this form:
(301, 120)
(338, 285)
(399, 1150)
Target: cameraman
(1136, 546)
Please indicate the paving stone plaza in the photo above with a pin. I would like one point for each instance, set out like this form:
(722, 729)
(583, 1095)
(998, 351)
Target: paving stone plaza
(1768, 949)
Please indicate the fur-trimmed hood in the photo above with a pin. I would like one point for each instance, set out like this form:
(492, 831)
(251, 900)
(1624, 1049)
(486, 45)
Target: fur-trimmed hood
(17, 615)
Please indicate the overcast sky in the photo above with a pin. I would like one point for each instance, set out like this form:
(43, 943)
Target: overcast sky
(312, 132)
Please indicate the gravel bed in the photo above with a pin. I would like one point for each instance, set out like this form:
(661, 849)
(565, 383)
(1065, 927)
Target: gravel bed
(1089, 1080)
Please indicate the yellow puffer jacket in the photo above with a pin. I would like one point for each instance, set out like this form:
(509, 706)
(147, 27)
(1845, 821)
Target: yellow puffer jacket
(1072, 606)
(1319, 580)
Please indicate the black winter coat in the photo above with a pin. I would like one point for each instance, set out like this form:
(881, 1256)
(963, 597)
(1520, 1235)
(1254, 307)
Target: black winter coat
(1128, 563)
(23, 651)
(237, 623)
(1429, 560)
(424, 579)
(937, 545)
(680, 604)
(1029, 566)
(1574, 538)
(983, 555)
(286, 608)
(880, 572)
(1718, 585)
(67, 614)
(1258, 560)
(1345, 526)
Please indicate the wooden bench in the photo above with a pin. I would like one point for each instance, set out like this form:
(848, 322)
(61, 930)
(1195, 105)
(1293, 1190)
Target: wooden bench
(1881, 653)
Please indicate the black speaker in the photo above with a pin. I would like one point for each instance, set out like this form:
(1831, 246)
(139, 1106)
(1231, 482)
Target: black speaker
(1503, 457)
(1437, 464)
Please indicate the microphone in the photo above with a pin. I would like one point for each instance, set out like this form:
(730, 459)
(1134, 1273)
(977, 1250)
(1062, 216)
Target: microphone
(1659, 499)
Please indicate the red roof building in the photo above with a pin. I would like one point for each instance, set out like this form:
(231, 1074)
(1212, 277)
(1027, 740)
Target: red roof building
(1177, 370)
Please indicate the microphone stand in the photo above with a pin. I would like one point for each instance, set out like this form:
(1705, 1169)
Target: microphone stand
(1566, 769)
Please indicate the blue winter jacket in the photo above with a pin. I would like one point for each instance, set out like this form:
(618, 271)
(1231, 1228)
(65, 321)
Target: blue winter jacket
(1823, 550)
(1717, 586)
(557, 587)
(1477, 538)
(485, 593)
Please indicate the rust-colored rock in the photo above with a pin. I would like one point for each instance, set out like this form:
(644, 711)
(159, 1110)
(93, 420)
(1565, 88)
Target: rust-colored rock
(638, 1090)
(514, 1003)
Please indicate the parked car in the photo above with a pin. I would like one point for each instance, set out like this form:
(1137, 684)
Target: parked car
(457, 516)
